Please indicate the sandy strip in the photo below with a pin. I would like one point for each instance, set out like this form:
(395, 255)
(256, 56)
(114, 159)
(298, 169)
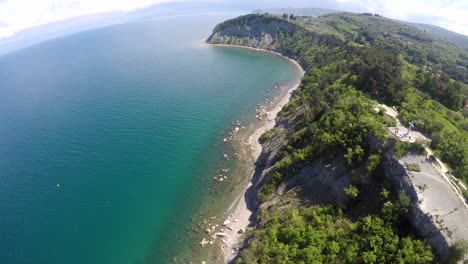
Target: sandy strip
(238, 213)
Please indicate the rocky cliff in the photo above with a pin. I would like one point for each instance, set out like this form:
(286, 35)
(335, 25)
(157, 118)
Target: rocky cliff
(422, 220)
(322, 182)
(251, 31)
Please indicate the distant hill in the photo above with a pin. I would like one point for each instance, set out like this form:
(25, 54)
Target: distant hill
(457, 39)
(313, 12)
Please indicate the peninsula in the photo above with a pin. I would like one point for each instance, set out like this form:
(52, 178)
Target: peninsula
(368, 162)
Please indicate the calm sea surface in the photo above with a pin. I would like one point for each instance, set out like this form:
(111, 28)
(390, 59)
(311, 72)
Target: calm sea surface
(109, 138)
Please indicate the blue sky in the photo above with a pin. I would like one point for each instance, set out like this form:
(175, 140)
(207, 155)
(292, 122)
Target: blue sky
(17, 15)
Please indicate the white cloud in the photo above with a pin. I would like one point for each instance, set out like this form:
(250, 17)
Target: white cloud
(449, 14)
(23, 14)
(17, 15)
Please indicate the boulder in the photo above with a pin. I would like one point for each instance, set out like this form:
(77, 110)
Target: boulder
(203, 242)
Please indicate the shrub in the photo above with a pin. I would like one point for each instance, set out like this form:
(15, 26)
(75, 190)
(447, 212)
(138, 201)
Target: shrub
(413, 167)
(268, 135)
(351, 191)
(402, 148)
(456, 252)
(372, 162)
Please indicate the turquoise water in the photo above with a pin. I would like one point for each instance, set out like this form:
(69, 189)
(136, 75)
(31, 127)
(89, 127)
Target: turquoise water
(109, 138)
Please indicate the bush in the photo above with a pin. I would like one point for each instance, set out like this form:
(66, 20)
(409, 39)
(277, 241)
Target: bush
(456, 252)
(402, 148)
(351, 191)
(268, 135)
(372, 162)
(451, 145)
(413, 167)
(388, 121)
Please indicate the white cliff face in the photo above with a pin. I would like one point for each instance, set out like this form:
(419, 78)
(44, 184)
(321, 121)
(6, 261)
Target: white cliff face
(265, 41)
(436, 211)
(257, 34)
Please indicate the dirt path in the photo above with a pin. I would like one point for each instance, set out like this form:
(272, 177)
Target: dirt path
(403, 134)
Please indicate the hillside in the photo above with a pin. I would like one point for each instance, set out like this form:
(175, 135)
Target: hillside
(312, 11)
(460, 40)
(331, 185)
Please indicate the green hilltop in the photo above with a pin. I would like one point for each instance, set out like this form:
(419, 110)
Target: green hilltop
(454, 38)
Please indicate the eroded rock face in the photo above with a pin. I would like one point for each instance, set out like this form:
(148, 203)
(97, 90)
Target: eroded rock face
(318, 183)
(436, 211)
(257, 33)
(420, 220)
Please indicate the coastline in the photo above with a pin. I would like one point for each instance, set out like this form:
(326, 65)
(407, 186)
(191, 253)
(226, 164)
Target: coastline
(238, 214)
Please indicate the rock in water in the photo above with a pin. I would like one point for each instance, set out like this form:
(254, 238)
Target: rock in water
(203, 242)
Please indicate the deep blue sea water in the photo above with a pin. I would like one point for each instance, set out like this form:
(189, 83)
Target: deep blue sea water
(109, 138)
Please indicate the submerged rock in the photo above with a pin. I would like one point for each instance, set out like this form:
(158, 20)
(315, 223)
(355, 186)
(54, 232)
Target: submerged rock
(203, 242)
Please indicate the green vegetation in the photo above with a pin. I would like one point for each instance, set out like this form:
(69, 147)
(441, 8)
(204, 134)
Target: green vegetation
(380, 75)
(415, 46)
(268, 135)
(245, 20)
(457, 39)
(403, 148)
(351, 191)
(352, 62)
(448, 129)
(323, 235)
(413, 167)
(421, 81)
(456, 252)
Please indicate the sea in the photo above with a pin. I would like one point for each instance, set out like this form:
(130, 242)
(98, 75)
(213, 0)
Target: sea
(110, 138)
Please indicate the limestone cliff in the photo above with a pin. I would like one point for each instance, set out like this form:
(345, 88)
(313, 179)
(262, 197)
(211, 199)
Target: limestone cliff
(251, 31)
(322, 182)
(421, 220)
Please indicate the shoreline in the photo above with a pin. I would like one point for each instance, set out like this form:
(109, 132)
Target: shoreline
(238, 214)
(296, 64)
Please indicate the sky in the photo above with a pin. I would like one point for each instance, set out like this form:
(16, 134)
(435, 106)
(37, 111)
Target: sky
(17, 15)
(449, 14)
